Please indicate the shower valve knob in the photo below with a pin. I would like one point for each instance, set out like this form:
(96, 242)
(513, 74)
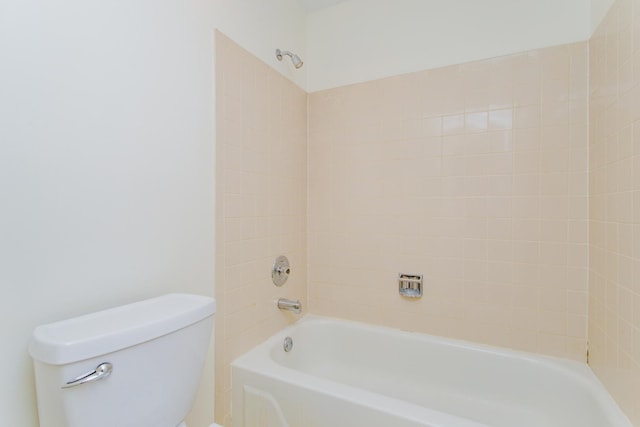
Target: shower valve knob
(280, 271)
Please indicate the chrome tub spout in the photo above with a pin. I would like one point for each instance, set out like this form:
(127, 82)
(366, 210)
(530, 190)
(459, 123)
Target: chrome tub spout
(291, 305)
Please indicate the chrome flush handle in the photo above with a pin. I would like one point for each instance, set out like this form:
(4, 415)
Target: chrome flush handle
(102, 371)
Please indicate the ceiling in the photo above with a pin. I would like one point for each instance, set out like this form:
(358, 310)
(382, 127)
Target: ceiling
(313, 5)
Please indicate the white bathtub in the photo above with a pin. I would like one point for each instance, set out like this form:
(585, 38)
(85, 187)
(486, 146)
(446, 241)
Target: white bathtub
(342, 373)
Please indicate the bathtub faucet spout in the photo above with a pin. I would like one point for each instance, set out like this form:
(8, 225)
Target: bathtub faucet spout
(287, 304)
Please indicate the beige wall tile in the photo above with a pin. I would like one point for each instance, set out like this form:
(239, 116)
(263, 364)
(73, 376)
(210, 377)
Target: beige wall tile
(487, 207)
(613, 328)
(261, 204)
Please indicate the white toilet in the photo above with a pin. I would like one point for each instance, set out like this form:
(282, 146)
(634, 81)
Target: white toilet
(137, 365)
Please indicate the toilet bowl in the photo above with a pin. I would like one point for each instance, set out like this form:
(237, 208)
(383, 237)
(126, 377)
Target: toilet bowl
(130, 366)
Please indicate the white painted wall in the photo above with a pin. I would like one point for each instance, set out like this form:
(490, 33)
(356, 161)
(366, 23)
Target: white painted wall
(599, 9)
(107, 157)
(361, 40)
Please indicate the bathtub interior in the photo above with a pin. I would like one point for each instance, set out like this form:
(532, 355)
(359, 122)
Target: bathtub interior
(479, 384)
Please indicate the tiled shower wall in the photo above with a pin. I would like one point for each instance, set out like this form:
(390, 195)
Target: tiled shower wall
(261, 196)
(614, 293)
(474, 176)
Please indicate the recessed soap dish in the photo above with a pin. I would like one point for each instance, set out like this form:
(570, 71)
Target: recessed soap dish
(410, 285)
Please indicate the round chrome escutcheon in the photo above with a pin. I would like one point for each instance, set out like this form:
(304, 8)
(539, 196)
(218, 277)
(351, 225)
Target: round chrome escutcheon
(288, 344)
(281, 270)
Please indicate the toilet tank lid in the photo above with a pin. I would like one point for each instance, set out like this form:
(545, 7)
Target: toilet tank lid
(111, 330)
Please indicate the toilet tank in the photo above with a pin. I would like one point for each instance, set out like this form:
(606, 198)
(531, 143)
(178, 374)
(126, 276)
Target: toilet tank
(154, 351)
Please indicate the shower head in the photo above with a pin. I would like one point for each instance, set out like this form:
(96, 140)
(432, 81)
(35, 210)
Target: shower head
(297, 62)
